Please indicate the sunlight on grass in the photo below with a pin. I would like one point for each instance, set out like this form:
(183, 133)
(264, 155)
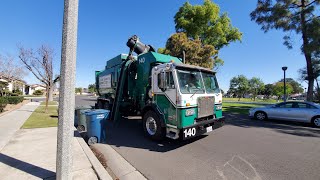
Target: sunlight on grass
(40, 119)
(249, 100)
(235, 108)
(49, 103)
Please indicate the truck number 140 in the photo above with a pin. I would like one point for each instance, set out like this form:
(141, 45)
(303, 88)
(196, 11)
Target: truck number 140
(189, 132)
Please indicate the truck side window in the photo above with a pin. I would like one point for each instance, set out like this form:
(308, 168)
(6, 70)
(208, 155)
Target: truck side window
(169, 80)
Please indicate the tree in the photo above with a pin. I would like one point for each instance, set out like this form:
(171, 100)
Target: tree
(278, 89)
(239, 85)
(92, 88)
(205, 27)
(3, 87)
(256, 86)
(196, 53)
(222, 91)
(78, 90)
(299, 16)
(10, 69)
(296, 87)
(303, 74)
(40, 64)
(268, 90)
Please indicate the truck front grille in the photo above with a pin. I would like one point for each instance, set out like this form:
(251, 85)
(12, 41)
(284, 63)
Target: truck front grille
(205, 106)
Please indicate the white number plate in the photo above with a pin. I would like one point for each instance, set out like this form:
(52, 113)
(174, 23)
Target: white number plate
(189, 132)
(209, 129)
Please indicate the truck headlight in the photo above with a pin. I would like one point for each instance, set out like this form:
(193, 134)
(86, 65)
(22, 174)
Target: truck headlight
(218, 107)
(190, 112)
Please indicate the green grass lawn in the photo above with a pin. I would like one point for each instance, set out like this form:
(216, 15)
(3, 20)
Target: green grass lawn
(49, 103)
(250, 100)
(40, 119)
(236, 108)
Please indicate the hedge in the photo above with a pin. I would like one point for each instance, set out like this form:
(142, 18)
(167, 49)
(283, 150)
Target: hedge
(11, 99)
(3, 103)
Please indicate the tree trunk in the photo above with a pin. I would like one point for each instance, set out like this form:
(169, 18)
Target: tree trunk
(47, 99)
(306, 52)
(310, 78)
(50, 95)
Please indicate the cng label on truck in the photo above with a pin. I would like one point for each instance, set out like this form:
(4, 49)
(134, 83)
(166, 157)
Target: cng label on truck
(142, 60)
(189, 132)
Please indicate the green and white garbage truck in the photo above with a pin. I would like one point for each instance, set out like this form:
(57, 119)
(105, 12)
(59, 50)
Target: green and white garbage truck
(175, 100)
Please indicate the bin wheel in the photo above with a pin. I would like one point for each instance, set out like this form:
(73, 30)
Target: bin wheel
(152, 126)
(81, 128)
(92, 140)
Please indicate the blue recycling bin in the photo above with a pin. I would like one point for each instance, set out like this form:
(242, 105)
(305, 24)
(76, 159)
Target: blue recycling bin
(96, 124)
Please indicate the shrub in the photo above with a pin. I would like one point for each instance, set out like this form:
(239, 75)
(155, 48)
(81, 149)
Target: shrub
(17, 91)
(3, 103)
(13, 99)
(38, 92)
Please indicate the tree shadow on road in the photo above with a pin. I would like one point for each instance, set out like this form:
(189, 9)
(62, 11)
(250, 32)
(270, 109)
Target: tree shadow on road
(286, 127)
(129, 133)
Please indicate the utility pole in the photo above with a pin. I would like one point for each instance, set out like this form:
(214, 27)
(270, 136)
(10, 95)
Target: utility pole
(284, 82)
(66, 94)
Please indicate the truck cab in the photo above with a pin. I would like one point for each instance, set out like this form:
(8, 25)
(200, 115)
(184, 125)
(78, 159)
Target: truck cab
(187, 98)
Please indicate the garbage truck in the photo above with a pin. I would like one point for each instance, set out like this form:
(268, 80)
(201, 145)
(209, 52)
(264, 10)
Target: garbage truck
(174, 99)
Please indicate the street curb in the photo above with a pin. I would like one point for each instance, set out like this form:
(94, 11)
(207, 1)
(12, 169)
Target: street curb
(119, 166)
(97, 166)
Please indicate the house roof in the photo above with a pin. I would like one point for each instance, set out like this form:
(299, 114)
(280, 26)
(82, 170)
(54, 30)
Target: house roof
(2, 76)
(37, 85)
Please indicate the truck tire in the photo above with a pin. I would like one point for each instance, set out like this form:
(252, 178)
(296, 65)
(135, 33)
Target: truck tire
(152, 126)
(100, 104)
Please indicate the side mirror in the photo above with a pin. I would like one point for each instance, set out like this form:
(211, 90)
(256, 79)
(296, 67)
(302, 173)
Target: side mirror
(163, 82)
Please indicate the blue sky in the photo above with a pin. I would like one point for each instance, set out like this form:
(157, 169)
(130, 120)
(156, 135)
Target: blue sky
(105, 26)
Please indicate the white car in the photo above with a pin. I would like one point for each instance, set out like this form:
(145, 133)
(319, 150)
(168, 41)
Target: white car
(292, 111)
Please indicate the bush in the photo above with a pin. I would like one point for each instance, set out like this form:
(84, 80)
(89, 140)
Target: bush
(3, 103)
(38, 92)
(13, 99)
(17, 91)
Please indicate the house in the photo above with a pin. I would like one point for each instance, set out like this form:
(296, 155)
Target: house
(15, 84)
(36, 87)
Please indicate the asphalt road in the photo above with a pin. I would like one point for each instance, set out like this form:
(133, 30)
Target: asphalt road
(242, 149)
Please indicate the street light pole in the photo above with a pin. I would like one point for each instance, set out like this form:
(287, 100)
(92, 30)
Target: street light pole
(66, 94)
(284, 68)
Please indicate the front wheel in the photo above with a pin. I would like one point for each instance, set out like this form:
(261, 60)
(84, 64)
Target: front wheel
(316, 121)
(260, 115)
(152, 126)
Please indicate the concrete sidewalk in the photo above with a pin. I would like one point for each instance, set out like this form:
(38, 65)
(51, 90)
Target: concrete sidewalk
(31, 153)
(11, 122)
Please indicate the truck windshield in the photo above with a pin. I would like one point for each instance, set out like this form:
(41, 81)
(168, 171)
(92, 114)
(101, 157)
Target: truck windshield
(190, 81)
(210, 83)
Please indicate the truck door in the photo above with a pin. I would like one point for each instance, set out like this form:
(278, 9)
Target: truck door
(166, 98)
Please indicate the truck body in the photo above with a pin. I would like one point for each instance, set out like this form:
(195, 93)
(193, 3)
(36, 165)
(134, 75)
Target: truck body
(175, 100)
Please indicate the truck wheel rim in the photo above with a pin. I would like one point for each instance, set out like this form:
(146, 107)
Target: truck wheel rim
(317, 122)
(92, 140)
(151, 126)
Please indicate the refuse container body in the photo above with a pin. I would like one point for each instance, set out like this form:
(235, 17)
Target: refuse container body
(96, 124)
(80, 118)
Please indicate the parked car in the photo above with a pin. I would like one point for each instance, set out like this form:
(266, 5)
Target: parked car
(292, 111)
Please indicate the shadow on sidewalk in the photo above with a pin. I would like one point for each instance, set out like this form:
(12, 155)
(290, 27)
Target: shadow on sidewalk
(26, 167)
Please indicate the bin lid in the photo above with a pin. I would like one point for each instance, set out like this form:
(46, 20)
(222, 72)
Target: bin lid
(83, 111)
(82, 107)
(97, 111)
